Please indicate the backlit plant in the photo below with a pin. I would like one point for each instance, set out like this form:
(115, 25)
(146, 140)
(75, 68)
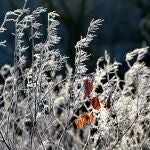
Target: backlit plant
(41, 109)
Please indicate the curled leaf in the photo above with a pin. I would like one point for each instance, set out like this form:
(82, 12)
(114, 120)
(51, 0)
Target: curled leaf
(87, 118)
(79, 122)
(88, 85)
(84, 119)
(95, 103)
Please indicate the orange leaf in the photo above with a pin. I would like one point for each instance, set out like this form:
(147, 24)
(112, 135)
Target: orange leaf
(88, 85)
(79, 123)
(95, 103)
(87, 118)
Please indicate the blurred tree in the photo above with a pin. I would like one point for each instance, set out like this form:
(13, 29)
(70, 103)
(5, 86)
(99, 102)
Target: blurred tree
(144, 6)
(120, 31)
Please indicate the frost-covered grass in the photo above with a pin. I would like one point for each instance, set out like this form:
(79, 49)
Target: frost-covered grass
(40, 109)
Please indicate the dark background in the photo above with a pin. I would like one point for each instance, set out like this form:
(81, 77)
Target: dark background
(126, 26)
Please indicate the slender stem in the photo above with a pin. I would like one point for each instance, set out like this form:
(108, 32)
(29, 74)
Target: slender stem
(4, 141)
(31, 134)
(87, 140)
(125, 132)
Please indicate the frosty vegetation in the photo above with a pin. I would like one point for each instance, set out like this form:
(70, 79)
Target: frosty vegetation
(38, 107)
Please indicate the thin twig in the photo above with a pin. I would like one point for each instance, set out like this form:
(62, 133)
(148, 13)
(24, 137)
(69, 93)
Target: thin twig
(124, 133)
(4, 141)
